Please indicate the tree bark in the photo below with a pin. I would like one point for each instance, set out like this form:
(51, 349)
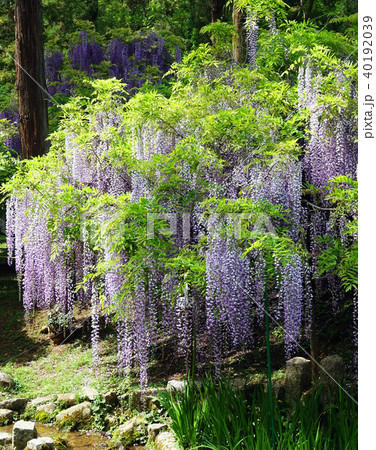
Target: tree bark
(238, 40)
(30, 78)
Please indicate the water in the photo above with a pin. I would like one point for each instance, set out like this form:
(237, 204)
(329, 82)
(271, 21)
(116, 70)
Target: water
(76, 439)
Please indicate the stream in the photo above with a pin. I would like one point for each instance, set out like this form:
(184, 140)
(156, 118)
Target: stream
(75, 439)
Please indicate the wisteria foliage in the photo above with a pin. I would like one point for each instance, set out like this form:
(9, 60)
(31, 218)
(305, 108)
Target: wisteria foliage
(115, 164)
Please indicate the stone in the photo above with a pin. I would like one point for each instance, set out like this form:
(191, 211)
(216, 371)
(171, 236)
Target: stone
(41, 400)
(154, 429)
(111, 421)
(278, 389)
(70, 399)
(23, 432)
(146, 400)
(297, 379)
(176, 385)
(6, 416)
(110, 397)
(5, 439)
(80, 415)
(42, 443)
(252, 387)
(179, 385)
(331, 372)
(15, 404)
(130, 431)
(165, 441)
(6, 381)
(238, 383)
(89, 393)
(47, 407)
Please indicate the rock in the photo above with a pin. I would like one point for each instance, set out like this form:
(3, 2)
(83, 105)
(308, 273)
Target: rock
(298, 378)
(41, 400)
(89, 393)
(165, 441)
(15, 404)
(130, 431)
(278, 389)
(145, 400)
(6, 381)
(22, 433)
(70, 399)
(111, 421)
(331, 373)
(5, 439)
(176, 385)
(48, 408)
(42, 443)
(110, 397)
(6, 416)
(238, 383)
(154, 429)
(77, 416)
(252, 387)
(179, 385)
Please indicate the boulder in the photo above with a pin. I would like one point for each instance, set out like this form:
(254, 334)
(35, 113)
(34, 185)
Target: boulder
(297, 378)
(6, 416)
(47, 407)
(5, 439)
(252, 387)
(238, 383)
(42, 443)
(15, 404)
(22, 433)
(70, 399)
(165, 441)
(145, 400)
(41, 400)
(6, 381)
(130, 431)
(331, 372)
(154, 429)
(78, 416)
(89, 393)
(278, 389)
(176, 385)
(110, 397)
(179, 385)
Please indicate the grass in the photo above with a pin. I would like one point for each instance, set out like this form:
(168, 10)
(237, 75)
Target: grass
(219, 418)
(38, 367)
(66, 368)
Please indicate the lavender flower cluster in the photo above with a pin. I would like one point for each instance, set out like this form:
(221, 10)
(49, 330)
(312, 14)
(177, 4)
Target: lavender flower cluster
(143, 59)
(153, 302)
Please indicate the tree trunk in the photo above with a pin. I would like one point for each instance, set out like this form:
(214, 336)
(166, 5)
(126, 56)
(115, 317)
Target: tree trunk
(238, 40)
(216, 9)
(30, 78)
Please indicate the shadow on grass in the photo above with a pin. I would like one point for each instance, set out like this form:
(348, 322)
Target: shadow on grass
(18, 343)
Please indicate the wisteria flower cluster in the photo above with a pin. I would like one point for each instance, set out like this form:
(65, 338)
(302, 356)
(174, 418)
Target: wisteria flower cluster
(195, 283)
